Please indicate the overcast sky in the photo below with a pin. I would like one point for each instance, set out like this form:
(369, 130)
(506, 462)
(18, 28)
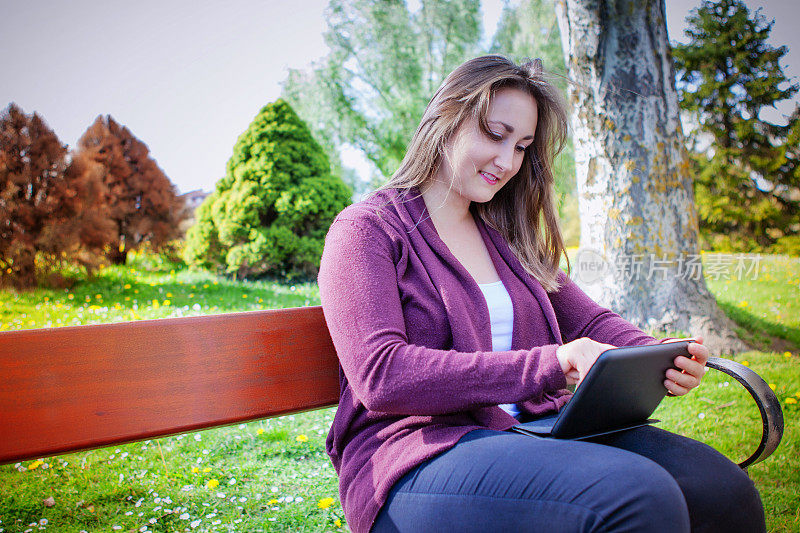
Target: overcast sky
(187, 77)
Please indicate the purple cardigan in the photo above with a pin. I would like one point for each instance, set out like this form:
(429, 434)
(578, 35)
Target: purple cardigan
(412, 332)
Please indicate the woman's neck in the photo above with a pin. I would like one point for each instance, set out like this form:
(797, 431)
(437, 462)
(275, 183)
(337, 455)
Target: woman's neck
(444, 207)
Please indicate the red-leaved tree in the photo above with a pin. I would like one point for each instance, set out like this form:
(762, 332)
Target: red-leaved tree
(144, 203)
(52, 209)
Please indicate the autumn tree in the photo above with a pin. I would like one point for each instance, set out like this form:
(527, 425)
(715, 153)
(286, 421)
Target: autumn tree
(746, 168)
(144, 203)
(270, 213)
(385, 63)
(639, 230)
(51, 209)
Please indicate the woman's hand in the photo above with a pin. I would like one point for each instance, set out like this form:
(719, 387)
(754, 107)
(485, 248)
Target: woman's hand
(691, 372)
(578, 356)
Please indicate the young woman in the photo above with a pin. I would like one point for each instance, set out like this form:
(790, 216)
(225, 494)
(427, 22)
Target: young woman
(452, 321)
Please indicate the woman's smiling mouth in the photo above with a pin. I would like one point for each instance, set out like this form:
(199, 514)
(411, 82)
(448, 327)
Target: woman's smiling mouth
(490, 178)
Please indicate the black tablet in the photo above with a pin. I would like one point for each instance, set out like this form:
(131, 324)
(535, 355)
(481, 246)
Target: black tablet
(620, 391)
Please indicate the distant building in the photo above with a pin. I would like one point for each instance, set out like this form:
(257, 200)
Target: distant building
(192, 200)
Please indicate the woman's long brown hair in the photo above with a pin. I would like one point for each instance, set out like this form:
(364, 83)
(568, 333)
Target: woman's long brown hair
(522, 211)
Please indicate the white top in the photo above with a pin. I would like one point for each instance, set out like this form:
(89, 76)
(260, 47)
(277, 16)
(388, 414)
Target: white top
(501, 316)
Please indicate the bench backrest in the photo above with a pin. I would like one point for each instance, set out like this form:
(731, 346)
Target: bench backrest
(73, 388)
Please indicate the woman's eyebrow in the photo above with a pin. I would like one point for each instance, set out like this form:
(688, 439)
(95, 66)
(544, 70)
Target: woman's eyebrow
(510, 129)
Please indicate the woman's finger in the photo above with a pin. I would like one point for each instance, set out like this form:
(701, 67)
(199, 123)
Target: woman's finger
(700, 352)
(674, 388)
(687, 381)
(692, 366)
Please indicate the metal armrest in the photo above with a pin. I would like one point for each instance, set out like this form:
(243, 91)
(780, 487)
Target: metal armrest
(767, 402)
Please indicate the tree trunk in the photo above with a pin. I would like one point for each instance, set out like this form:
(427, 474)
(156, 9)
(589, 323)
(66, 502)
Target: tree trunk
(639, 252)
(117, 256)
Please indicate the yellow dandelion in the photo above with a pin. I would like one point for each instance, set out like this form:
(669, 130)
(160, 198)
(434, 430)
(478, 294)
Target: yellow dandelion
(244, 296)
(337, 523)
(772, 386)
(36, 464)
(206, 470)
(135, 291)
(212, 483)
(166, 303)
(787, 355)
(273, 501)
(191, 295)
(70, 296)
(127, 286)
(260, 301)
(746, 363)
(301, 438)
(156, 305)
(216, 283)
(259, 431)
(791, 400)
(46, 298)
(127, 298)
(205, 285)
(195, 470)
(169, 295)
(743, 304)
(324, 503)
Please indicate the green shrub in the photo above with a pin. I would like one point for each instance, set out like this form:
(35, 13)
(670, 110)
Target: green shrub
(270, 213)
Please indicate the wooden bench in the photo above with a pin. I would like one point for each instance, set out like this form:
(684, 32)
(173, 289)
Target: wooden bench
(81, 387)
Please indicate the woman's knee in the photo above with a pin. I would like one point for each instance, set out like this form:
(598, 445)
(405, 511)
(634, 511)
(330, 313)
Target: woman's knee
(724, 499)
(641, 496)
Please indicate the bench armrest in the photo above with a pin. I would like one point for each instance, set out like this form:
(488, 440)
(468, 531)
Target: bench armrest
(767, 402)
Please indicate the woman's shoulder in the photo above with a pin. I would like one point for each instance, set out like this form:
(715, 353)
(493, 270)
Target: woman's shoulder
(380, 211)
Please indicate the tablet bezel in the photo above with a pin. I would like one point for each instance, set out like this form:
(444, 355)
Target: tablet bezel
(622, 389)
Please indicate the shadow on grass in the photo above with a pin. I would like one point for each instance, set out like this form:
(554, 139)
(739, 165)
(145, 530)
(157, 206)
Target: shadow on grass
(762, 334)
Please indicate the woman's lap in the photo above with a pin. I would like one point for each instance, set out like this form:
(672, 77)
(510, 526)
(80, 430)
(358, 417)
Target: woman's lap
(501, 481)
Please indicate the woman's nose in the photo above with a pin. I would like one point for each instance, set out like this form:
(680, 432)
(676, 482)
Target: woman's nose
(504, 158)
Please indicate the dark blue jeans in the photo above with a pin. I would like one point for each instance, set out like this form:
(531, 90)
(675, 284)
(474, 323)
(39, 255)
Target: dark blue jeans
(645, 479)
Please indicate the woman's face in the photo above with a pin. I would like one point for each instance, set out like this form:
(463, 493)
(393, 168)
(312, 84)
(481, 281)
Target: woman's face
(480, 164)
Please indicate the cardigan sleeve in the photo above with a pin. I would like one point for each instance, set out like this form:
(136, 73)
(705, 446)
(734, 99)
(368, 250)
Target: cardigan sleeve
(358, 283)
(593, 320)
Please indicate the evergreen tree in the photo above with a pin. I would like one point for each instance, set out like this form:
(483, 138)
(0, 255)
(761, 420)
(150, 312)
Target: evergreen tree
(144, 204)
(270, 213)
(747, 181)
(51, 209)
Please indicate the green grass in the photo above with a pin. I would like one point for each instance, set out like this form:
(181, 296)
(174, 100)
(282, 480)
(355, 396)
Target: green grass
(269, 480)
(767, 308)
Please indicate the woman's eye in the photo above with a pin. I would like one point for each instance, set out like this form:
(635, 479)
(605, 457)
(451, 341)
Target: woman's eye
(521, 148)
(495, 136)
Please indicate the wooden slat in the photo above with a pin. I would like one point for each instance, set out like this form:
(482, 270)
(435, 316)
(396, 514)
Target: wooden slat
(65, 389)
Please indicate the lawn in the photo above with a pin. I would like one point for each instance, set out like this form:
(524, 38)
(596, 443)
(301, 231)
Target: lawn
(274, 475)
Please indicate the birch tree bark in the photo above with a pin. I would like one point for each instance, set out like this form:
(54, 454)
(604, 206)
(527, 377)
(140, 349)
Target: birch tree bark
(639, 252)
